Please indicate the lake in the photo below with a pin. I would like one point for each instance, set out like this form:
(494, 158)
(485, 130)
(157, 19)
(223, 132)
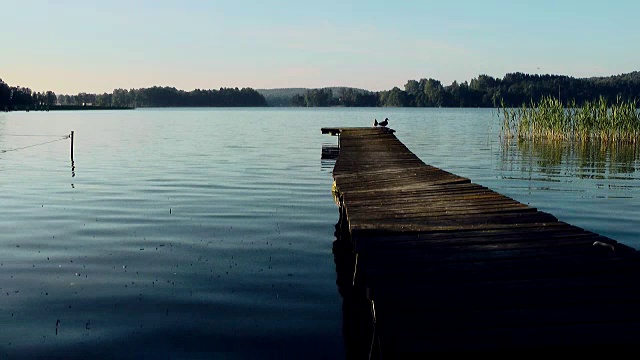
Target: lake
(199, 233)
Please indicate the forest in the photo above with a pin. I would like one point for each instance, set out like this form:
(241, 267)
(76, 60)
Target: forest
(22, 98)
(514, 90)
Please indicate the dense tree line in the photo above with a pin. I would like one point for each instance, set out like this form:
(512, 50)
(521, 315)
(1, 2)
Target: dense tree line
(281, 96)
(168, 97)
(21, 98)
(514, 89)
(340, 96)
(348, 97)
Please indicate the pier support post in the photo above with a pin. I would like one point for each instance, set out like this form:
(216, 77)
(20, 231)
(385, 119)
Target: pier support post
(71, 136)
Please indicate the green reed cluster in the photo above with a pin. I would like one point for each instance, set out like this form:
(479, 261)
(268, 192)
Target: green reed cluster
(595, 120)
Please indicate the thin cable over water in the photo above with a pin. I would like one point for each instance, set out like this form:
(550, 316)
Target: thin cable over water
(32, 135)
(38, 144)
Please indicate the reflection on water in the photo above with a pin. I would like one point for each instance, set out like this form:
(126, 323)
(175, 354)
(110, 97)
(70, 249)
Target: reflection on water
(579, 159)
(205, 233)
(592, 185)
(358, 327)
(330, 152)
(175, 239)
(358, 323)
(329, 156)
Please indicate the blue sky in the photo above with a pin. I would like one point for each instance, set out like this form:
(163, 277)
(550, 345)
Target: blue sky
(71, 46)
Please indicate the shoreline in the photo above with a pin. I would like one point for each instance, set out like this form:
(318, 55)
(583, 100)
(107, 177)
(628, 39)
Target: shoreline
(73, 108)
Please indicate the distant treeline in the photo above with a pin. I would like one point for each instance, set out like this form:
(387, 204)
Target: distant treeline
(514, 89)
(170, 97)
(284, 96)
(21, 98)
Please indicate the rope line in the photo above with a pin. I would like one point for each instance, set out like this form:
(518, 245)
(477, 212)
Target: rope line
(32, 135)
(30, 146)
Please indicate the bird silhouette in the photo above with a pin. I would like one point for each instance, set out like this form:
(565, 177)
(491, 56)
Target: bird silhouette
(375, 122)
(384, 123)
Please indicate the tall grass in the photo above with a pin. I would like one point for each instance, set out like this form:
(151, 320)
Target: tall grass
(595, 120)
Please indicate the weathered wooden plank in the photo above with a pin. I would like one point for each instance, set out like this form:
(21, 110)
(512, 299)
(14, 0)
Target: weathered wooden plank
(411, 242)
(410, 200)
(456, 222)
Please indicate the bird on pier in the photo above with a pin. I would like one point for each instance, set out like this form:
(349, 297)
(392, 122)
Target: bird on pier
(384, 123)
(375, 122)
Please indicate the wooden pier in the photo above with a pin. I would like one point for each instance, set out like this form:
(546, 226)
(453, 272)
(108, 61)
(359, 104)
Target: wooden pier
(449, 266)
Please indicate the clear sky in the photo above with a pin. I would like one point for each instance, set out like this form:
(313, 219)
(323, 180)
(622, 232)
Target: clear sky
(71, 46)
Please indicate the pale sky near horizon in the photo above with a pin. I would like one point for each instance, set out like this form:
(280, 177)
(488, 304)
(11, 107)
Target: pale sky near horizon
(71, 46)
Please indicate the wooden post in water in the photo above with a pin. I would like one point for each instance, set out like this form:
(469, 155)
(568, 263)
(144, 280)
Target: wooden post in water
(71, 145)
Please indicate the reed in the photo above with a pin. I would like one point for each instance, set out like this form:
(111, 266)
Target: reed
(593, 120)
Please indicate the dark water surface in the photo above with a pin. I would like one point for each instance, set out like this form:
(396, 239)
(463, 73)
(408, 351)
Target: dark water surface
(208, 233)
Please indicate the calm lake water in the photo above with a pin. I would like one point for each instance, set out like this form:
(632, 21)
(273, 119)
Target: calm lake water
(206, 233)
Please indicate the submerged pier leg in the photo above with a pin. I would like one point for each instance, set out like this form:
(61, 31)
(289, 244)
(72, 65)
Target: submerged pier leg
(71, 136)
